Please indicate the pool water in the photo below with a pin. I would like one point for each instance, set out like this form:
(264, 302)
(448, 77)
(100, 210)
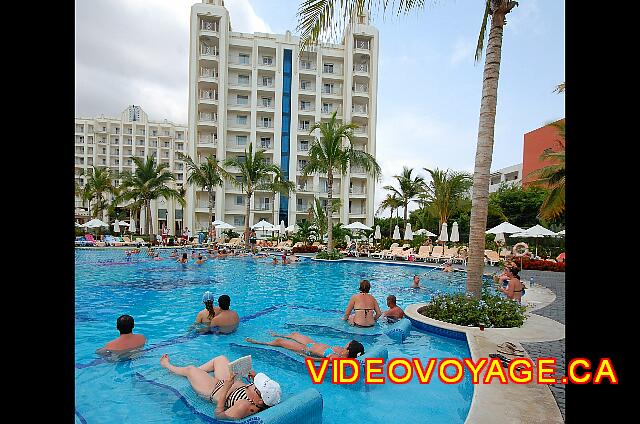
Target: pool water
(164, 298)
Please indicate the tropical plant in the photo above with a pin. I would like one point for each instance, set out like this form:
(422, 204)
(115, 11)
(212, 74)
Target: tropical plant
(148, 182)
(392, 202)
(445, 191)
(316, 17)
(98, 183)
(410, 188)
(318, 215)
(207, 175)
(277, 185)
(552, 177)
(327, 154)
(559, 88)
(254, 172)
(306, 232)
(332, 254)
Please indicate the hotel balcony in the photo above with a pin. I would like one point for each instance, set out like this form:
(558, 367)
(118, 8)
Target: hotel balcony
(261, 206)
(302, 208)
(328, 111)
(305, 188)
(361, 68)
(265, 145)
(360, 90)
(361, 131)
(332, 72)
(264, 125)
(335, 91)
(268, 84)
(209, 51)
(358, 191)
(208, 96)
(358, 170)
(359, 109)
(362, 45)
(207, 118)
(207, 26)
(208, 74)
(307, 67)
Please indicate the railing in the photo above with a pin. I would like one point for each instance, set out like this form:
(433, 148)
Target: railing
(266, 63)
(166, 145)
(361, 130)
(360, 88)
(207, 117)
(359, 108)
(208, 50)
(236, 124)
(305, 188)
(127, 142)
(208, 73)
(90, 141)
(114, 142)
(262, 207)
(357, 170)
(208, 95)
(262, 83)
(265, 145)
(330, 110)
(140, 143)
(303, 127)
(207, 140)
(335, 70)
(129, 131)
(264, 124)
(360, 67)
(361, 44)
(243, 103)
(117, 130)
(308, 88)
(266, 105)
(208, 26)
(153, 144)
(307, 66)
(357, 211)
(302, 208)
(335, 91)
(357, 190)
(115, 153)
(307, 108)
(300, 166)
(140, 132)
(242, 83)
(80, 151)
(335, 189)
(239, 61)
(303, 147)
(205, 205)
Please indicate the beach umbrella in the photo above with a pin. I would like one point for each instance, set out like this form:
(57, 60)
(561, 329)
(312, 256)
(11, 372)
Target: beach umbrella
(444, 235)
(408, 234)
(376, 234)
(291, 228)
(263, 225)
(505, 227)
(282, 227)
(116, 226)
(560, 233)
(455, 236)
(423, 232)
(132, 226)
(500, 238)
(95, 223)
(347, 239)
(537, 231)
(396, 233)
(357, 226)
(225, 226)
(78, 225)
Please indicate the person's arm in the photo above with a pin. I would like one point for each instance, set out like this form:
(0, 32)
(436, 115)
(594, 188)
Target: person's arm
(224, 390)
(376, 308)
(350, 306)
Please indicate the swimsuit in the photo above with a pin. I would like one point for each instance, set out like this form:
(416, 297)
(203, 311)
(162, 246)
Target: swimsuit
(237, 394)
(326, 353)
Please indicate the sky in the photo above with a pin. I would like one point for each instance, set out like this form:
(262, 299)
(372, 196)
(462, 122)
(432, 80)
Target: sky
(429, 88)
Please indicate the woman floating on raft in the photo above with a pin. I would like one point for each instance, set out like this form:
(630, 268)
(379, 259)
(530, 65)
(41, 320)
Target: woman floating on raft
(309, 348)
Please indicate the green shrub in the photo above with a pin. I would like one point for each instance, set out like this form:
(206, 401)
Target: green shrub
(331, 255)
(492, 311)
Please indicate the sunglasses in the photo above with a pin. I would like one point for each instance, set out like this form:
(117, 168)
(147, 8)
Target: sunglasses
(257, 391)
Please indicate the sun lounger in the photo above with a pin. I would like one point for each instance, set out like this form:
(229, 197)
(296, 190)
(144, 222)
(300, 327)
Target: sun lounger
(127, 241)
(423, 252)
(81, 241)
(404, 254)
(491, 256)
(140, 241)
(393, 252)
(95, 242)
(449, 254)
(436, 253)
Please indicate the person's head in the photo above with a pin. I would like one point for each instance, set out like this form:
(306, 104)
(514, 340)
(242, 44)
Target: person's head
(224, 302)
(267, 391)
(512, 271)
(124, 324)
(184, 255)
(207, 299)
(200, 256)
(365, 286)
(416, 279)
(391, 301)
(354, 349)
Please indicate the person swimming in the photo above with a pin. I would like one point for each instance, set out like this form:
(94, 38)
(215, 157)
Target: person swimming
(200, 260)
(365, 307)
(415, 284)
(174, 254)
(183, 259)
(305, 345)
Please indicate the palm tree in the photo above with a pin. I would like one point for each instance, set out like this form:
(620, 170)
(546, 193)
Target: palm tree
(410, 188)
(445, 191)
(552, 177)
(208, 175)
(99, 182)
(316, 17)
(148, 182)
(318, 216)
(254, 172)
(277, 185)
(392, 202)
(328, 155)
(559, 88)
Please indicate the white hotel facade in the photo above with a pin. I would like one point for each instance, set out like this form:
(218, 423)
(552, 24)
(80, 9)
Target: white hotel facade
(250, 88)
(258, 88)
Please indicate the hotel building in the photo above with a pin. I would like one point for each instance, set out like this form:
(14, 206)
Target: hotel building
(111, 142)
(260, 89)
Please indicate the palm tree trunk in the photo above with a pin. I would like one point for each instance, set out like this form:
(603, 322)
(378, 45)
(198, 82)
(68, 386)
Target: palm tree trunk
(210, 210)
(406, 204)
(147, 206)
(273, 205)
(246, 224)
(329, 212)
(484, 151)
(391, 224)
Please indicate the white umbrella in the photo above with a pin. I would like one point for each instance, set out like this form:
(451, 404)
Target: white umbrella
(347, 239)
(455, 236)
(376, 234)
(408, 234)
(282, 227)
(536, 232)
(217, 222)
(560, 233)
(95, 223)
(357, 226)
(444, 236)
(78, 225)
(505, 227)
(396, 233)
(500, 237)
(263, 225)
(291, 228)
(423, 232)
(224, 226)
(132, 226)
(116, 227)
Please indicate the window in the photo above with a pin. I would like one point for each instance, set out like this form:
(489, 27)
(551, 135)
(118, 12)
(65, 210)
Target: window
(304, 145)
(239, 199)
(327, 107)
(305, 64)
(243, 58)
(266, 102)
(328, 68)
(266, 122)
(242, 100)
(304, 125)
(267, 81)
(305, 105)
(243, 79)
(241, 119)
(327, 88)
(265, 142)
(267, 60)
(238, 221)
(241, 140)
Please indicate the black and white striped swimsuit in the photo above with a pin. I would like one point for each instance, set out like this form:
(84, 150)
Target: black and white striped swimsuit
(237, 394)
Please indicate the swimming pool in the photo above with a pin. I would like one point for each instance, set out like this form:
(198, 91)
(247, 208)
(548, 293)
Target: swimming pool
(164, 298)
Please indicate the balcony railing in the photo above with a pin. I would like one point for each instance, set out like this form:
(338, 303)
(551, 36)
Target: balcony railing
(266, 105)
(330, 110)
(140, 143)
(242, 103)
(357, 190)
(302, 207)
(360, 67)
(335, 91)
(208, 26)
(303, 147)
(357, 211)
(208, 117)
(208, 50)
(357, 170)
(207, 140)
(305, 188)
(235, 124)
(304, 127)
(335, 189)
(264, 124)
(265, 145)
(300, 166)
(335, 70)
(240, 82)
(360, 88)
(309, 88)
(205, 205)
(262, 207)
(208, 95)
(361, 130)
(263, 83)
(240, 61)
(361, 44)
(208, 73)
(307, 108)
(127, 142)
(359, 109)
(307, 66)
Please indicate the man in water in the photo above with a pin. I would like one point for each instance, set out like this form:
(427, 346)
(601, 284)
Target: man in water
(416, 282)
(127, 340)
(200, 260)
(447, 267)
(394, 313)
(183, 259)
(226, 320)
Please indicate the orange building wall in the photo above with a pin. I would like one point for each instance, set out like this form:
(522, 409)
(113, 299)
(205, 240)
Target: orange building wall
(535, 142)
